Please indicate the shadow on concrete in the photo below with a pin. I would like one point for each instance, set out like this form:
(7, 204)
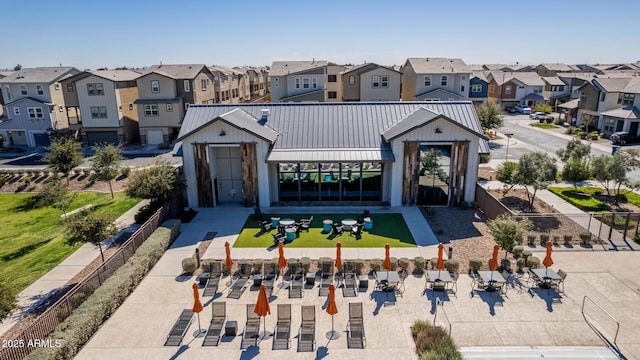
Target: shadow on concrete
(382, 298)
(550, 296)
(250, 353)
(492, 298)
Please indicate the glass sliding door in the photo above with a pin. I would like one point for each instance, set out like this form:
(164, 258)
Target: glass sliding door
(288, 182)
(329, 182)
(435, 170)
(350, 175)
(371, 181)
(309, 182)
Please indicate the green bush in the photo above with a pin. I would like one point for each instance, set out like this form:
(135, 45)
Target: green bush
(125, 171)
(404, 263)
(531, 239)
(517, 251)
(394, 263)
(556, 239)
(526, 253)
(189, 265)
(585, 236)
(27, 180)
(570, 130)
(306, 263)
(636, 237)
(452, 265)
(375, 264)
(567, 238)
(419, 262)
(505, 264)
(145, 212)
(520, 263)
(433, 342)
(3, 181)
(205, 264)
(544, 237)
(78, 328)
(533, 262)
(484, 158)
(433, 262)
(62, 313)
(475, 264)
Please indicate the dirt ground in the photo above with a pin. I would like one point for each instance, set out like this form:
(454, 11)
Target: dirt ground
(32, 182)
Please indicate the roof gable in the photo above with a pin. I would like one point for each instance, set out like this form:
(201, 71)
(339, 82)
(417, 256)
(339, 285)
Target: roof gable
(244, 121)
(438, 66)
(30, 99)
(418, 118)
(364, 68)
(180, 71)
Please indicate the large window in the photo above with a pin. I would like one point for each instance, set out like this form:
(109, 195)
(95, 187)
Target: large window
(609, 123)
(297, 81)
(375, 81)
(187, 86)
(626, 99)
(35, 113)
(151, 110)
(384, 81)
(330, 181)
(203, 83)
(444, 80)
(305, 83)
(155, 86)
(476, 88)
(98, 112)
(507, 90)
(94, 89)
(7, 90)
(332, 95)
(427, 80)
(583, 97)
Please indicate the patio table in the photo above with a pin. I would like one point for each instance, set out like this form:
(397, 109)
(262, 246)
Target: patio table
(347, 224)
(287, 222)
(546, 276)
(439, 276)
(491, 278)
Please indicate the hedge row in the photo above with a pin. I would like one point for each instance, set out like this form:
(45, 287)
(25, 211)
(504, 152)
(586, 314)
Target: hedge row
(78, 328)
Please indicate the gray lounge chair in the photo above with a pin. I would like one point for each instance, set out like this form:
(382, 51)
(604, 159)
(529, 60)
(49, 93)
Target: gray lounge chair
(355, 327)
(269, 276)
(327, 277)
(238, 286)
(215, 274)
(282, 334)
(179, 328)
(307, 332)
(250, 335)
(350, 279)
(214, 333)
(296, 288)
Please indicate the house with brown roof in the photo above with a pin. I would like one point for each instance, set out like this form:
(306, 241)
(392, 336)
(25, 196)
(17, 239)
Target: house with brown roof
(371, 82)
(435, 79)
(552, 69)
(302, 81)
(517, 88)
(103, 102)
(34, 105)
(165, 93)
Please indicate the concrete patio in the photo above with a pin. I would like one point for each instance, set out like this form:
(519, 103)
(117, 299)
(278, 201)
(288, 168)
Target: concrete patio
(523, 324)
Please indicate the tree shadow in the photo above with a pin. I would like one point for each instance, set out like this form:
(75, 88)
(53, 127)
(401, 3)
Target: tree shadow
(25, 250)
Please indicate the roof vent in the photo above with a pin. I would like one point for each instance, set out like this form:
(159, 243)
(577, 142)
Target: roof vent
(265, 116)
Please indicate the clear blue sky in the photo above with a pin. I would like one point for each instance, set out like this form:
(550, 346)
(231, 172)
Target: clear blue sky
(111, 33)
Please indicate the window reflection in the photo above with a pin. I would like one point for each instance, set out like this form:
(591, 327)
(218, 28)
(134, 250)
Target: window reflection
(435, 170)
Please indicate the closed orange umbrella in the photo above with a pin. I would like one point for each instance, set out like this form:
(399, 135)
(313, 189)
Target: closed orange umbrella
(547, 262)
(338, 255)
(263, 308)
(282, 261)
(440, 262)
(332, 309)
(197, 307)
(493, 264)
(228, 261)
(387, 260)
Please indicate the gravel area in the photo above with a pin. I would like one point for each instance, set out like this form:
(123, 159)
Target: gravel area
(15, 183)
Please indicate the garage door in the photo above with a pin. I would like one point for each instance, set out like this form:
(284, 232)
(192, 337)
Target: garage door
(154, 137)
(41, 139)
(102, 137)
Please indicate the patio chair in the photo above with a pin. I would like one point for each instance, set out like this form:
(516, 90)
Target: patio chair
(179, 329)
(214, 333)
(356, 230)
(336, 230)
(238, 287)
(534, 279)
(250, 335)
(326, 277)
(282, 334)
(454, 285)
(265, 226)
(278, 237)
(355, 327)
(307, 332)
(559, 283)
(296, 288)
(477, 283)
(215, 274)
(350, 279)
(269, 276)
(305, 224)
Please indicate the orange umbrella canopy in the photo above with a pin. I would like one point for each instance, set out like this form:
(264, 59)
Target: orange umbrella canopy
(227, 249)
(493, 264)
(282, 262)
(197, 305)
(332, 308)
(338, 255)
(262, 305)
(547, 259)
(387, 260)
(440, 262)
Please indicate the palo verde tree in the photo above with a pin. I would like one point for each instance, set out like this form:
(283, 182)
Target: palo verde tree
(536, 171)
(64, 155)
(490, 115)
(575, 157)
(89, 227)
(506, 230)
(106, 164)
(158, 183)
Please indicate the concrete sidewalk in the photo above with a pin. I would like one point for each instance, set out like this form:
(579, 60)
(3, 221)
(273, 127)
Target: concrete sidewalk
(47, 285)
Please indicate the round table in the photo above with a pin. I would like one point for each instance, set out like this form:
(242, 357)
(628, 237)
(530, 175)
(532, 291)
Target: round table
(287, 222)
(326, 226)
(347, 224)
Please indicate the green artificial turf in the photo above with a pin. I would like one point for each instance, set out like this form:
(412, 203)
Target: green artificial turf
(32, 241)
(582, 199)
(387, 228)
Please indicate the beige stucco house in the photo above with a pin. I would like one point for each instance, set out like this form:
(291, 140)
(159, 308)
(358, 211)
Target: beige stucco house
(435, 79)
(371, 82)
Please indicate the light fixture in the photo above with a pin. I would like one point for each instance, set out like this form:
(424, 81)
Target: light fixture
(438, 131)
(222, 133)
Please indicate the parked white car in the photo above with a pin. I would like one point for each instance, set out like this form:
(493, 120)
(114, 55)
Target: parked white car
(523, 109)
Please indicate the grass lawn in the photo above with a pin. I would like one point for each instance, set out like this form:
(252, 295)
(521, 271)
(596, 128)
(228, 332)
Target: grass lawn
(32, 240)
(387, 228)
(544, 126)
(582, 199)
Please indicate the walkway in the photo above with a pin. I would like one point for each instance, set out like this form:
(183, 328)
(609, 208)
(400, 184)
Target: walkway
(47, 285)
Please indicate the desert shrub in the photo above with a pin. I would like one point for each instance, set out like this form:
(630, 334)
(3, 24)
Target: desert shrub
(567, 238)
(556, 239)
(475, 264)
(62, 313)
(452, 265)
(205, 264)
(3, 181)
(375, 264)
(520, 263)
(359, 266)
(544, 237)
(189, 265)
(433, 262)
(531, 239)
(27, 180)
(306, 263)
(403, 263)
(526, 253)
(419, 262)
(78, 298)
(257, 266)
(145, 212)
(484, 158)
(533, 262)
(585, 236)
(84, 321)
(125, 171)
(394, 263)
(517, 251)
(433, 342)
(324, 259)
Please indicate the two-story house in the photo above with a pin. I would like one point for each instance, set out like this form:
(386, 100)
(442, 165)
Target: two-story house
(555, 90)
(34, 105)
(588, 104)
(246, 78)
(100, 104)
(479, 87)
(3, 73)
(552, 69)
(165, 93)
(516, 88)
(435, 79)
(618, 104)
(371, 82)
(297, 81)
(227, 84)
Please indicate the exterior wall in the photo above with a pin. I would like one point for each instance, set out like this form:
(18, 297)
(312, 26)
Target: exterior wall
(164, 119)
(484, 90)
(167, 87)
(187, 96)
(493, 90)
(31, 92)
(592, 98)
(610, 101)
(107, 100)
(57, 98)
(70, 97)
(233, 136)
(22, 122)
(351, 92)
(336, 86)
(390, 93)
(129, 112)
(408, 84)
(454, 83)
(450, 132)
(543, 71)
(318, 75)
(503, 93)
(200, 95)
(278, 87)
